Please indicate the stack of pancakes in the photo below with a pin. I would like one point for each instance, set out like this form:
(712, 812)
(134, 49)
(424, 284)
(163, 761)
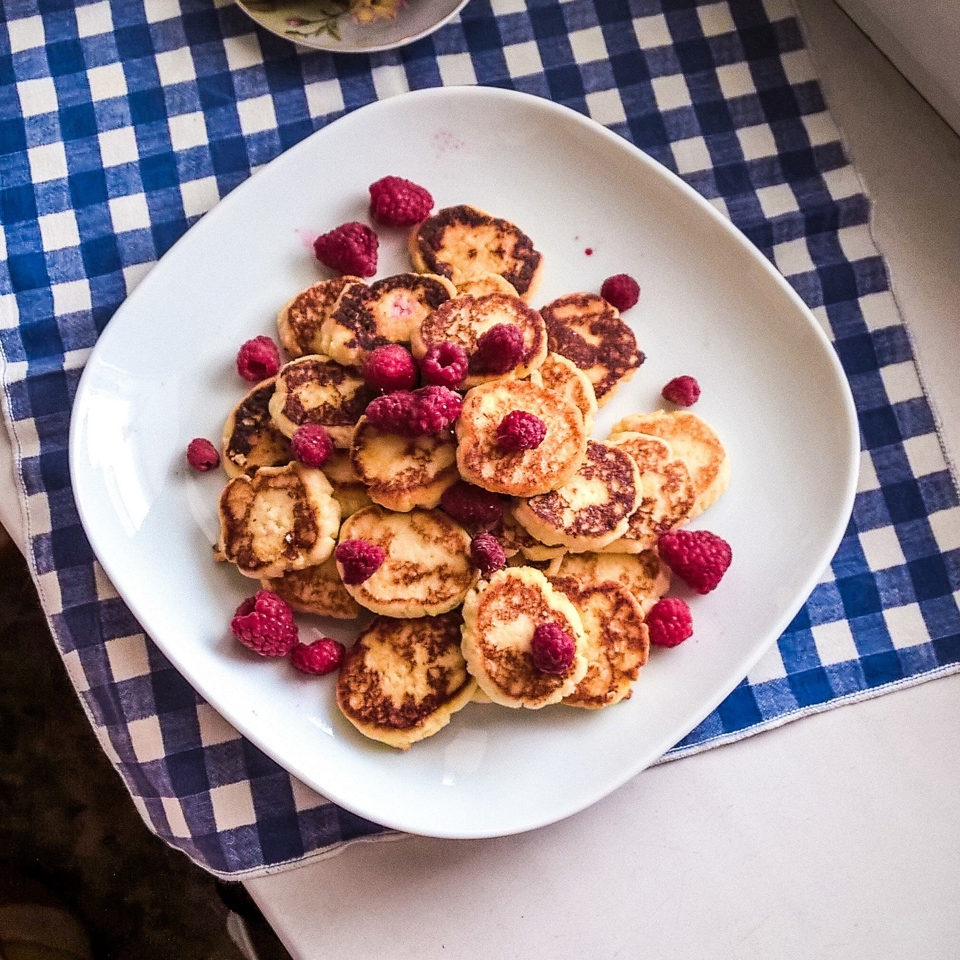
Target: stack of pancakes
(581, 516)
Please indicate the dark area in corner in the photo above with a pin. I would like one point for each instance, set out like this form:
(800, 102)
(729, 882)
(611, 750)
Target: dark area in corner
(67, 820)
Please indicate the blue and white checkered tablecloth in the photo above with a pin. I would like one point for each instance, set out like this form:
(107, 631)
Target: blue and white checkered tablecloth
(122, 123)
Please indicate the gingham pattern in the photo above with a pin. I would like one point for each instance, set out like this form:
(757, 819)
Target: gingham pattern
(120, 124)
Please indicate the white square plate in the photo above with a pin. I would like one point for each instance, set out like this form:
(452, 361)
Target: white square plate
(712, 306)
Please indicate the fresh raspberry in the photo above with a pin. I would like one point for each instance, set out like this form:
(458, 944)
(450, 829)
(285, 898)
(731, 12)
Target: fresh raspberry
(320, 657)
(359, 559)
(311, 445)
(697, 556)
(498, 350)
(520, 430)
(390, 368)
(349, 249)
(202, 455)
(683, 391)
(258, 359)
(552, 649)
(477, 509)
(265, 624)
(620, 291)
(487, 554)
(669, 622)
(444, 365)
(415, 413)
(399, 203)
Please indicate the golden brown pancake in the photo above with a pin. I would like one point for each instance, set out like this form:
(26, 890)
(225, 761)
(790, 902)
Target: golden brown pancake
(402, 680)
(560, 375)
(586, 329)
(499, 618)
(348, 489)
(427, 570)
(279, 519)
(618, 641)
(317, 589)
(644, 575)
(485, 283)
(464, 243)
(300, 320)
(250, 438)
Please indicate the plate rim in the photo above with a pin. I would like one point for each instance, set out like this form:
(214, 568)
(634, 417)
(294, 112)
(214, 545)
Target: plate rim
(738, 672)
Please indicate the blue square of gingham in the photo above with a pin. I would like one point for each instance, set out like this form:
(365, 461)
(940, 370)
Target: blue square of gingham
(121, 124)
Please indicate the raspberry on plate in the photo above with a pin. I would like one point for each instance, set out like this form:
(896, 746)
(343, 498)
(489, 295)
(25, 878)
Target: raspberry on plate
(498, 350)
(265, 624)
(683, 391)
(311, 444)
(390, 368)
(620, 291)
(415, 413)
(472, 506)
(349, 249)
(359, 560)
(397, 202)
(444, 365)
(520, 430)
(202, 455)
(699, 557)
(321, 657)
(552, 649)
(258, 359)
(669, 622)
(487, 554)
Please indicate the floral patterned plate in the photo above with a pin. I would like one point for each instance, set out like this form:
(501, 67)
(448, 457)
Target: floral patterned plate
(352, 26)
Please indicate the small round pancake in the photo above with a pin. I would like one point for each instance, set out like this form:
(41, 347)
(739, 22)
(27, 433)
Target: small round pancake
(402, 680)
(499, 618)
(485, 283)
(317, 590)
(463, 243)
(388, 311)
(523, 473)
(668, 493)
(644, 575)
(618, 641)
(562, 376)
(281, 518)
(465, 319)
(514, 539)
(348, 489)
(693, 441)
(316, 389)
(586, 329)
(592, 508)
(427, 570)
(300, 320)
(250, 438)
(404, 472)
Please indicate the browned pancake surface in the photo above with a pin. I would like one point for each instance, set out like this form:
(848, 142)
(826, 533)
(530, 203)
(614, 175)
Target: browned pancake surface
(250, 438)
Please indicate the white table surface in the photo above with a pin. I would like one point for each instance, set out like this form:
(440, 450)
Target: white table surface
(837, 836)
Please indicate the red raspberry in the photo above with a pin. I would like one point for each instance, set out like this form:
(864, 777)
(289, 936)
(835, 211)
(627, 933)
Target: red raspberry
(444, 365)
(359, 560)
(699, 557)
(320, 657)
(265, 624)
(349, 249)
(477, 509)
(487, 554)
(669, 622)
(683, 391)
(415, 414)
(620, 291)
(498, 350)
(311, 445)
(258, 359)
(390, 368)
(202, 455)
(520, 430)
(552, 649)
(399, 203)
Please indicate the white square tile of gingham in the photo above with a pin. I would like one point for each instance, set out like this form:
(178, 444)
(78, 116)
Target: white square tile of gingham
(232, 806)
(834, 642)
(906, 626)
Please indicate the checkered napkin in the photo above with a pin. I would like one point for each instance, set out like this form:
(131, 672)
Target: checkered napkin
(120, 124)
